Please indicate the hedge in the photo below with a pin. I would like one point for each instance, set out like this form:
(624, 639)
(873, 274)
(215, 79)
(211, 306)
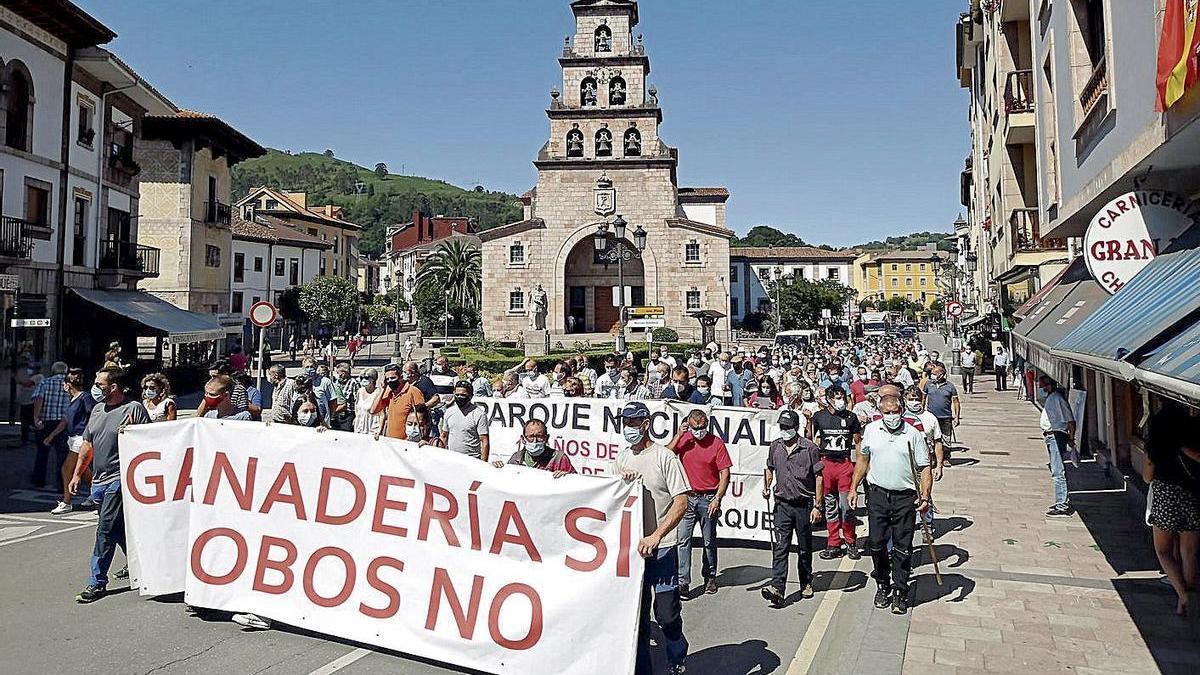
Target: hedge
(665, 335)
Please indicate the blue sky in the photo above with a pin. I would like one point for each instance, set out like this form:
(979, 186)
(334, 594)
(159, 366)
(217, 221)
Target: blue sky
(839, 120)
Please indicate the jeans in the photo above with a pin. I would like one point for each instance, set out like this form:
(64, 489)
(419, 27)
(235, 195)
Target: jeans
(43, 453)
(968, 379)
(110, 530)
(697, 511)
(1056, 443)
(791, 517)
(839, 517)
(1001, 378)
(891, 514)
(660, 588)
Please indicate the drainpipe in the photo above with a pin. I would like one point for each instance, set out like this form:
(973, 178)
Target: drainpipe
(64, 177)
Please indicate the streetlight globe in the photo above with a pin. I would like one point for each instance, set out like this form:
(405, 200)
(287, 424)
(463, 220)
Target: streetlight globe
(619, 227)
(600, 239)
(639, 238)
(936, 262)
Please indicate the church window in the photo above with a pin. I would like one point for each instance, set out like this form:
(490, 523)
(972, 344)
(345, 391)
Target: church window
(516, 301)
(575, 143)
(603, 39)
(516, 254)
(617, 91)
(693, 300)
(691, 252)
(633, 143)
(588, 92)
(604, 143)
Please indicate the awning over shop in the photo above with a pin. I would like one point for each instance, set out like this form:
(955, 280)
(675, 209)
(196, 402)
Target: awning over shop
(1033, 301)
(1173, 369)
(973, 321)
(1071, 301)
(178, 326)
(1161, 299)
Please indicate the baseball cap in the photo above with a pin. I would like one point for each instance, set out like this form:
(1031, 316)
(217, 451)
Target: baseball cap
(789, 419)
(635, 411)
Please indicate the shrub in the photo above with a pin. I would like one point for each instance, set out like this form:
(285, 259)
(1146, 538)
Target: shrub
(665, 335)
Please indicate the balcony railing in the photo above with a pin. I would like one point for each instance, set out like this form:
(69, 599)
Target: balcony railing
(1095, 88)
(128, 256)
(16, 241)
(1018, 92)
(216, 212)
(1024, 226)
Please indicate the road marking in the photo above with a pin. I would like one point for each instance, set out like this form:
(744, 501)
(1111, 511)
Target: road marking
(341, 662)
(46, 534)
(27, 519)
(807, 651)
(18, 531)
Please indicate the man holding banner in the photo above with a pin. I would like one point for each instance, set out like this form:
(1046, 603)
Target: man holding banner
(665, 499)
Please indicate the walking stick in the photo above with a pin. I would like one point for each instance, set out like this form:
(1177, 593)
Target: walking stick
(925, 531)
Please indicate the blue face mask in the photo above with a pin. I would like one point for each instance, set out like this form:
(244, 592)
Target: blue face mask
(311, 373)
(98, 393)
(633, 435)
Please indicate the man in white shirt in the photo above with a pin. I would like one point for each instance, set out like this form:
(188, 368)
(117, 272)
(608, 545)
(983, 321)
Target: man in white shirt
(967, 368)
(607, 381)
(1000, 364)
(1058, 428)
(535, 384)
(718, 371)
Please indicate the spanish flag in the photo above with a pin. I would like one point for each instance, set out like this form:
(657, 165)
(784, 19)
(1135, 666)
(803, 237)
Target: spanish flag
(1177, 52)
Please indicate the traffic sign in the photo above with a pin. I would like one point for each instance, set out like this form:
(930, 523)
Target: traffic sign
(645, 312)
(30, 323)
(647, 323)
(9, 283)
(263, 314)
(955, 309)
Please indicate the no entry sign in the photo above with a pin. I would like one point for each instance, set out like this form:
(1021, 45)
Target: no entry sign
(263, 314)
(955, 309)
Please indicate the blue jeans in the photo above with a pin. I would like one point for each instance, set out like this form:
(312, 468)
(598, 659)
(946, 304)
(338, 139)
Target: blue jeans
(660, 588)
(1056, 443)
(697, 511)
(110, 530)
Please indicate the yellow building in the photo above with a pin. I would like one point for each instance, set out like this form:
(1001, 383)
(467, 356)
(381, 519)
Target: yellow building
(880, 275)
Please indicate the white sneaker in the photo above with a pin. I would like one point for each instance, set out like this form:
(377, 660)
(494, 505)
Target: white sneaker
(252, 621)
(63, 507)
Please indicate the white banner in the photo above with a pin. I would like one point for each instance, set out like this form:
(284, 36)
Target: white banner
(417, 550)
(588, 430)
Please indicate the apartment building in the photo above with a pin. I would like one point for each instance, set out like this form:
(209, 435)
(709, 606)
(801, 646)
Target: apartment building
(751, 270)
(1000, 181)
(326, 222)
(409, 244)
(912, 275)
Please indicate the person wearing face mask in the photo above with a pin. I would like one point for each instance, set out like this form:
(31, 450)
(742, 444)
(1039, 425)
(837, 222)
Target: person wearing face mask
(767, 397)
(157, 398)
(706, 464)
(345, 388)
(658, 379)
(322, 387)
(480, 384)
(664, 356)
(916, 416)
(75, 419)
(113, 411)
(858, 387)
(283, 392)
(397, 401)
(238, 397)
(680, 389)
(892, 452)
(418, 428)
(630, 387)
(665, 500)
(794, 476)
(218, 400)
(306, 411)
(703, 391)
(366, 399)
(833, 379)
(606, 383)
(868, 410)
(535, 452)
(941, 399)
(739, 381)
(465, 424)
(838, 431)
(1058, 432)
(1000, 365)
(721, 371)
(535, 384)
(585, 373)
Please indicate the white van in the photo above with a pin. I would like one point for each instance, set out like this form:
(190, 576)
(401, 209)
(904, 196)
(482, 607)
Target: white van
(796, 338)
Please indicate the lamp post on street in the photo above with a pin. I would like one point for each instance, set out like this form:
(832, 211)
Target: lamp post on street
(619, 253)
(777, 272)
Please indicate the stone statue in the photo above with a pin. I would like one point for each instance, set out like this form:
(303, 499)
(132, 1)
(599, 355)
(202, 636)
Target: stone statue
(604, 143)
(617, 95)
(538, 305)
(589, 93)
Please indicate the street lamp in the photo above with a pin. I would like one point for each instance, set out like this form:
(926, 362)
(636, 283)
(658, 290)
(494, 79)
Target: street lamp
(972, 262)
(619, 254)
(778, 273)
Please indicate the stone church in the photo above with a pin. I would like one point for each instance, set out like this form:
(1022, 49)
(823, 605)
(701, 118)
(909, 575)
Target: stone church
(605, 159)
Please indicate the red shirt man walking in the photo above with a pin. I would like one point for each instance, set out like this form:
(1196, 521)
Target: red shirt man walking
(706, 463)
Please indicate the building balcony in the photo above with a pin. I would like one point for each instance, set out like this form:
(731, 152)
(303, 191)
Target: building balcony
(16, 238)
(1024, 227)
(217, 213)
(128, 258)
(1020, 121)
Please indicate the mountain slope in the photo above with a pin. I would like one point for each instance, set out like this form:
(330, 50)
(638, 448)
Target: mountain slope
(371, 200)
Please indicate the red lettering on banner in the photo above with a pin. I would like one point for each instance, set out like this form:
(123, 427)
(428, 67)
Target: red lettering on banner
(360, 497)
(287, 475)
(571, 523)
(380, 585)
(473, 516)
(284, 566)
(347, 584)
(383, 503)
(242, 492)
(442, 586)
(198, 549)
(623, 557)
(185, 476)
(510, 514)
(535, 620)
(429, 514)
(154, 481)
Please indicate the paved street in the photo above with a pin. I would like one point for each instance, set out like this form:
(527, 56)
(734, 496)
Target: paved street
(1020, 593)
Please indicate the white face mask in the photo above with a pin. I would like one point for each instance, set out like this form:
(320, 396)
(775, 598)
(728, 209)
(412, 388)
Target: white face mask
(306, 418)
(892, 421)
(412, 432)
(839, 404)
(914, 406)
(699, 434)
(788, 435)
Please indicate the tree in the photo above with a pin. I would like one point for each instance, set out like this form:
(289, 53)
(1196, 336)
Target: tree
(456, 269)
(329, 153)
(381, 170)
(901, 305)
(765, 235)
(330, 301)
(291, 312)
(801, 301)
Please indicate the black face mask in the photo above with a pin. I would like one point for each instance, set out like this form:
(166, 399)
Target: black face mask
(392, 384)
(680, 385)
(462, 400)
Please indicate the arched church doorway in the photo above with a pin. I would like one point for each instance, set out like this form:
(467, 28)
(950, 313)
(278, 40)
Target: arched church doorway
(591, 280)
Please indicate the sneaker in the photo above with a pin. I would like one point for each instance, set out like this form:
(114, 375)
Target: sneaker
(853, 552)
(122, 573)
(683, 592)
(91, 594)
(89, 503)
(773, 596)
(899, 603)
(63, 507)
(831, 552)
(710, 587)
(252, 621)
(883, 598)
(806, 591)
(1060, 511)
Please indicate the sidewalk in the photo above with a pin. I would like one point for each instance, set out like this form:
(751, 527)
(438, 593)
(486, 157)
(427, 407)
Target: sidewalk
(1029, 594)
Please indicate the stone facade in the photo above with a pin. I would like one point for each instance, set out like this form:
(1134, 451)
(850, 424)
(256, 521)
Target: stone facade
(685, 266)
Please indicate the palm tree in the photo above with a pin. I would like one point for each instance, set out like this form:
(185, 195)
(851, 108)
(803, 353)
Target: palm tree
(456, 268)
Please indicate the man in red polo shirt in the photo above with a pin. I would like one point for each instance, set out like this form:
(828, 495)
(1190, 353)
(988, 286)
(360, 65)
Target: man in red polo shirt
(706, 463)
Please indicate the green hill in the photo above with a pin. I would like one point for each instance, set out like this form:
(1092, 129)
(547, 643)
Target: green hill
(371, 200)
